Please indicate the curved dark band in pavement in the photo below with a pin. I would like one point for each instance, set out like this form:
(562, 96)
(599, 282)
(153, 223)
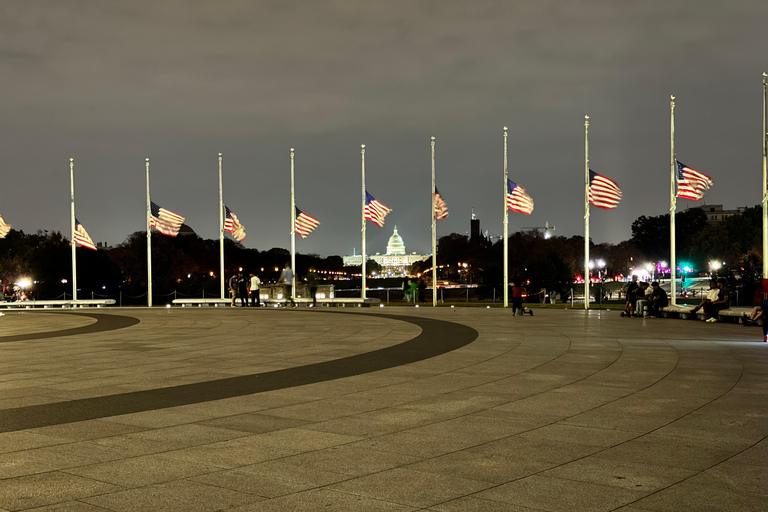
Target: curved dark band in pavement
(104, 322)
(437, 337)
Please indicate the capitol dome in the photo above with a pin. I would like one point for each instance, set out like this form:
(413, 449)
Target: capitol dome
(395, 244)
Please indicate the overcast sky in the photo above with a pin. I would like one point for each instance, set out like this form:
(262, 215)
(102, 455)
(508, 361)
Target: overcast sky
(110, 83)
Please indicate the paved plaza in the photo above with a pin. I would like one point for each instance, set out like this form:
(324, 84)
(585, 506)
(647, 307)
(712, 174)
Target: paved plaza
(393, 409)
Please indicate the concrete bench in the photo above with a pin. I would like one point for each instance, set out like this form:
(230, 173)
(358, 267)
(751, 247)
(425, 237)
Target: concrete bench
(85, 303)
(733, 313)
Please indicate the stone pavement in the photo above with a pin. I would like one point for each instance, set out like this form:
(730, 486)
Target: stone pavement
(397, 409)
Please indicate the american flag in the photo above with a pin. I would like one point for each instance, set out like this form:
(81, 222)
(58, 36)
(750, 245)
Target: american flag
(165, 221)
(517, 199)
(4, 228)
(375, 211)
(232, 225)
(80, 236)
(603, 192)
(691, 184)
(305, 224)
(441, 209)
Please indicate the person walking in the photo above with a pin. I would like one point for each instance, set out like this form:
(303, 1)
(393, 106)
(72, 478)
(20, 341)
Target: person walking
(312, 284)
(255, 282)
(286, 279)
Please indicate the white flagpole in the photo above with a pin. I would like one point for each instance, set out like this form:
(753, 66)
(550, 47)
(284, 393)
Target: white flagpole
(434, 232)
(293, 231)
(221, 233)
(149, 243)
(72, 209)
(586, 212)
(765, 177)
(672, 202)
(362, 155)
(506, 220)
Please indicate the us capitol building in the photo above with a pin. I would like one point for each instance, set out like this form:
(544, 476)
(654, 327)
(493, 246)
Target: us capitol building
(395, 262)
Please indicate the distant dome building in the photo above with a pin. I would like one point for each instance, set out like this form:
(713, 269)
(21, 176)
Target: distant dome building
(395, 245)
(395, 262)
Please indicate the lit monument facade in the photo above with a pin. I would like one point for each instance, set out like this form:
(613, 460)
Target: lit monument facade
(395, 262)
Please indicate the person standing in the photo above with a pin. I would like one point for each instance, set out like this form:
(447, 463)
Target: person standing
(286, 279)
(242, 289)
(312, 284)
(255, 283)
(233, 289)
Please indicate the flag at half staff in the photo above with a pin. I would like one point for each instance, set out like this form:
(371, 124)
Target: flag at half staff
(232, 225)
(165, 221)
(517, 199)
(441, 209)
(81, 237)
(4, 228)
(603, 192)
(691, 184)
(305, 224)
(375, 211)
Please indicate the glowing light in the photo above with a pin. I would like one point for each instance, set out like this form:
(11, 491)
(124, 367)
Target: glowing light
(167, 306)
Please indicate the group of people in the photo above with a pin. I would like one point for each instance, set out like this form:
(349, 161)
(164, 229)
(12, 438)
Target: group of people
(718, 297)
(12, 293)
(241, 287)
(641, 295)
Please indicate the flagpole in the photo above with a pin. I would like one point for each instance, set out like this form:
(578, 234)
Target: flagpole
(362, 155)
(586, 212)
(672, 202)
(293, 231)
(221, 232)
(149, 243)
(72, 210)
(434, 232)
(765, 176)
(506, 220)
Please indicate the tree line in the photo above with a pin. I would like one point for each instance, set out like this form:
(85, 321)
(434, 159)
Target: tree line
(189, 265)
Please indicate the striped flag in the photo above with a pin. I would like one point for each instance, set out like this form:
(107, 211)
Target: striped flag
(165, 221)
(441, 209)
(691, 184)
(232, 225)
(80, 236)
(375, 211)
(4, 228)
(603, 192)
(305, 224)
(517, 199)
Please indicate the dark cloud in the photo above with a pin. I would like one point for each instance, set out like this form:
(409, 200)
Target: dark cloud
(110, 83)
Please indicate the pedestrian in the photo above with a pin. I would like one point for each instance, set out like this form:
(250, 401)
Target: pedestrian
(242, 289)
(312, 284)
(255, 283)
(517, 298)
(286, 279)
(413, 291)
(421, 287)
(233, 289)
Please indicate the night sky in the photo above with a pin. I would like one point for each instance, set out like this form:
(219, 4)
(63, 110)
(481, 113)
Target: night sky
(110, 83)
